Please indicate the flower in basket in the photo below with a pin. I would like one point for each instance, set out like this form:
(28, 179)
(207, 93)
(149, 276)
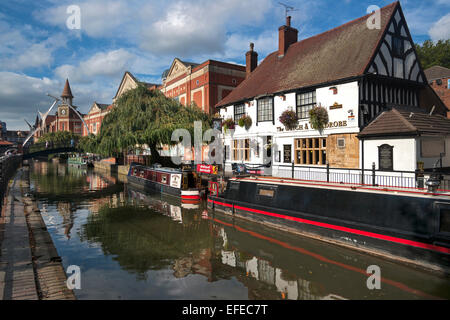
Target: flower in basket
(318, 117)
(289, 119)
(228, 124)
(245, 121)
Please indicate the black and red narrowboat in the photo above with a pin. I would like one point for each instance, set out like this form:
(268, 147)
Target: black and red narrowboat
(182, 183)
(412, 225)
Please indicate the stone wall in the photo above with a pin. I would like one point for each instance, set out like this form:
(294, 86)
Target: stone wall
(343, 157)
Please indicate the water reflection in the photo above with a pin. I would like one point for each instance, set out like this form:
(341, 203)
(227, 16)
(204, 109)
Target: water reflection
(149, 246)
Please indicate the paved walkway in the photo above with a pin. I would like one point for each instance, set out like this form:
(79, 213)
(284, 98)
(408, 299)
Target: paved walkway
(30, 268)
(17, 281)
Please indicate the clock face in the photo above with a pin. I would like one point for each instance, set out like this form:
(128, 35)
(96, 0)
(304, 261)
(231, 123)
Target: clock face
(63, 111)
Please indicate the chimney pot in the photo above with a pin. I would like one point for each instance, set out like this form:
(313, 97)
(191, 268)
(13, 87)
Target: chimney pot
(288, 21)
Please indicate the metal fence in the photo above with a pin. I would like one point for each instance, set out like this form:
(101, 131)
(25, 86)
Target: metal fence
(403, 179)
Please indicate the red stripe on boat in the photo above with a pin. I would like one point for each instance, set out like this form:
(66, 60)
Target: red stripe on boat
(344, 229)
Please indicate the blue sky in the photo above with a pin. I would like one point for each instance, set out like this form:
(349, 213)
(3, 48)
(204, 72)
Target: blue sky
(38, 52)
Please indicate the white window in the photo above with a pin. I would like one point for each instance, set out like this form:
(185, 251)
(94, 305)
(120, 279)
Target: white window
(241, 150)
(305, 102)
(265, 109)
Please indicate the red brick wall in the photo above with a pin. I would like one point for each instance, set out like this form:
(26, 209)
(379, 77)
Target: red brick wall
(442, 91)
(198, 98)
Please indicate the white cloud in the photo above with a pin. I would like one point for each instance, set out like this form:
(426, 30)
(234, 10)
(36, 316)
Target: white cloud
(21, 96)
(441, 29)
(200, 27)
(110, 63)
(22, 49)
(100, 18)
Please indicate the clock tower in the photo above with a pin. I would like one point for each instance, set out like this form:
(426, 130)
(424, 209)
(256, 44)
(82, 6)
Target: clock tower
(67, 94)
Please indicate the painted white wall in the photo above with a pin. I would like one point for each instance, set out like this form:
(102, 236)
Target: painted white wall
(404, 153)
(407, 152)
(347, 95)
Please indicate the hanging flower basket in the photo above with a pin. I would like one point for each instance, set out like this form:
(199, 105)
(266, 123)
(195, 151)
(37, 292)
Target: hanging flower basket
(228, 124)
(245, 121)
(318, 117)
(289, 119)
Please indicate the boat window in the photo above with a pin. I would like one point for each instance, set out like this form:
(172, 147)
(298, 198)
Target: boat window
(164, 179)
(266, 192)
(444, 221)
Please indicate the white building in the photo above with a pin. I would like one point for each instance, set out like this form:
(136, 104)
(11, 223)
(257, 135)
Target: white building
(354, 71)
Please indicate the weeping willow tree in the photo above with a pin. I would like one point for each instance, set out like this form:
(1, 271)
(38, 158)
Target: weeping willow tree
(88, 143)
(143, 116)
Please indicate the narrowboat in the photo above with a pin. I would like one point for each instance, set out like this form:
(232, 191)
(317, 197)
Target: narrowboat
(411, 225)
(182, 183)
(79, 162)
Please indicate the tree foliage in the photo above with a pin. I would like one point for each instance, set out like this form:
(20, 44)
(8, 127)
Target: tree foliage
(434, 53)
(143, 116)
(59, 137)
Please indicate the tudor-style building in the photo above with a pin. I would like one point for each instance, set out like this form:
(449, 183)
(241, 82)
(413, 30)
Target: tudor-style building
(204, 84)
(353, 71)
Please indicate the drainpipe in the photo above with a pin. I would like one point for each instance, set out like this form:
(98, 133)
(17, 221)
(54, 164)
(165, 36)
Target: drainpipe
(362, 161)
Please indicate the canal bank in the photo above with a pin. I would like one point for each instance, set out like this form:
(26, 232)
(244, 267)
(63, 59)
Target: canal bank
(30, 268)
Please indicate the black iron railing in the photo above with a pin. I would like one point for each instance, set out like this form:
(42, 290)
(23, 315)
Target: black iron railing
(373, 177)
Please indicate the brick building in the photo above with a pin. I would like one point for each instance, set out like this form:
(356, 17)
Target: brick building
(204, 84)
(95, 117)
(64, 119)
(439, 79)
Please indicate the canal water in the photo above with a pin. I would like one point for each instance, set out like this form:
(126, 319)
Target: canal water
(131, 245)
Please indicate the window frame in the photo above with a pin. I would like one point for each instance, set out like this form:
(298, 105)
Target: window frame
(304, 114)
(397, 40)
(309, 150)
(241, 147)
(258, 113)
(237, 116)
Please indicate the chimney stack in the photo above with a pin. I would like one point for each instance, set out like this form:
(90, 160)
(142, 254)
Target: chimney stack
(286, 36)
(251, 60)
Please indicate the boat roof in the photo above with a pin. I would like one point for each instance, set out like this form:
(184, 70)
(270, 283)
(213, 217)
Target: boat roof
(162, 169)
(401, 191)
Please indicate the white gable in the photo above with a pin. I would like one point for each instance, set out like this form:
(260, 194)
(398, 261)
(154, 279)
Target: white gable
(176, 69)
(127, 83)
(387, 63)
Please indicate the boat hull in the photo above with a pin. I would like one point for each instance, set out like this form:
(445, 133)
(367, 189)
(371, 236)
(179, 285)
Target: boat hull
(399, 227)
(167, 181)
(152, 186)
